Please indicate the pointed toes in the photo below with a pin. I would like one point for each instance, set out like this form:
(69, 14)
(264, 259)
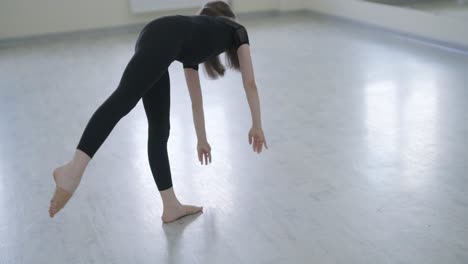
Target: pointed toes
(194, 209)
(59, 200)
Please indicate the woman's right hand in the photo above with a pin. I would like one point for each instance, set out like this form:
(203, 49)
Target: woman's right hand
(257, 139)
(204, 152)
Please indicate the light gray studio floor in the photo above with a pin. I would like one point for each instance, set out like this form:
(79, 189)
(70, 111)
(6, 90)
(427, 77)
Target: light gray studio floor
(367, 162)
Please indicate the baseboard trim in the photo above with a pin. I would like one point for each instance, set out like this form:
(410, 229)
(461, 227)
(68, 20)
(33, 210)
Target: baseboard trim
(52, 37)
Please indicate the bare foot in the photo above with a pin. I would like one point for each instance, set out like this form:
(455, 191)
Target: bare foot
(174, 213)
(67, 178)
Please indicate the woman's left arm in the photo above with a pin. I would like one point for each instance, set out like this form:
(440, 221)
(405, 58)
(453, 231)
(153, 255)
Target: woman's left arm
(256, 136)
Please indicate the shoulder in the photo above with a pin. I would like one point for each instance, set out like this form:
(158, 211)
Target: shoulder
(230, 22)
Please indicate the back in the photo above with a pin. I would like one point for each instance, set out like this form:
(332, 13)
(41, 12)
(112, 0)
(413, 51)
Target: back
(210, 36)
(198, 38)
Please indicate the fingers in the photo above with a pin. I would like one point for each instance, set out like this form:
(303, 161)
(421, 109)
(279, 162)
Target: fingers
(207, 157)
(257, 140)
(258, 144)
(204, 157)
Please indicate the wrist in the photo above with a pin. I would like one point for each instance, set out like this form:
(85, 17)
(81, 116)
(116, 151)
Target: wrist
(257, 126)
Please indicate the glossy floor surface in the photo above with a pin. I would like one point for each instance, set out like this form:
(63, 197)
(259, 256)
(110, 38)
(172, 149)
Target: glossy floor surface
(367, 162)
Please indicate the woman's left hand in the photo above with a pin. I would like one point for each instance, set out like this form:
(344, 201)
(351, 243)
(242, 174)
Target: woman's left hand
(257, 139)
(204, 152)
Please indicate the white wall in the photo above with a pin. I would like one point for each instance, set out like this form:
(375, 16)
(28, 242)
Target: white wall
(19, 18)
(288, 5)
(25, 17)
(266, 5)
(411, 21)
(243, 6)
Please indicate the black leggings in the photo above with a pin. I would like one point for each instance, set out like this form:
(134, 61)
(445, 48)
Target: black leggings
(146, 76)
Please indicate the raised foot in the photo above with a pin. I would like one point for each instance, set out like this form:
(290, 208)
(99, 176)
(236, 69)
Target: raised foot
(66, 181)
(172, 214)
(59, 200)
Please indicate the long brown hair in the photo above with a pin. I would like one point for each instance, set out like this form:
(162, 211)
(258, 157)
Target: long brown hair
(214, 68)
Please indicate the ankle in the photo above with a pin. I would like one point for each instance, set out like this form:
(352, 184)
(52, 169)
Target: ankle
(79, 162)
(80, 159)
(169, 198)
(171, 205)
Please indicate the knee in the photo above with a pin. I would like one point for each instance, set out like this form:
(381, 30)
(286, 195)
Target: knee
(119, 105)
(159, 135)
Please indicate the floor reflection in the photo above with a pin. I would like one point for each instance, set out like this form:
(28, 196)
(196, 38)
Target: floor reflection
(401, 121)
(382, 122)
(420, 129)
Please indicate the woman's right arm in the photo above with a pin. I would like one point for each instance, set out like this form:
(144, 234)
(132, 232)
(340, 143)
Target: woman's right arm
(256, 136)
(193, 84)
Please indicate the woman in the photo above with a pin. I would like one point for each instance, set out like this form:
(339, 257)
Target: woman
(190, 40)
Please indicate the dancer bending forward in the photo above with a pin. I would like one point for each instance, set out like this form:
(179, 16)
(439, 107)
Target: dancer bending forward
(191, 40)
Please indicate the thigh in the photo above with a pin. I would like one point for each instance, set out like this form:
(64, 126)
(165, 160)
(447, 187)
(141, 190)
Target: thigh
(142, 72)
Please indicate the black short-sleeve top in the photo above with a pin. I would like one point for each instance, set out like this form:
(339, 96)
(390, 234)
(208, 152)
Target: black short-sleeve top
(211, 36)
(190, 39)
